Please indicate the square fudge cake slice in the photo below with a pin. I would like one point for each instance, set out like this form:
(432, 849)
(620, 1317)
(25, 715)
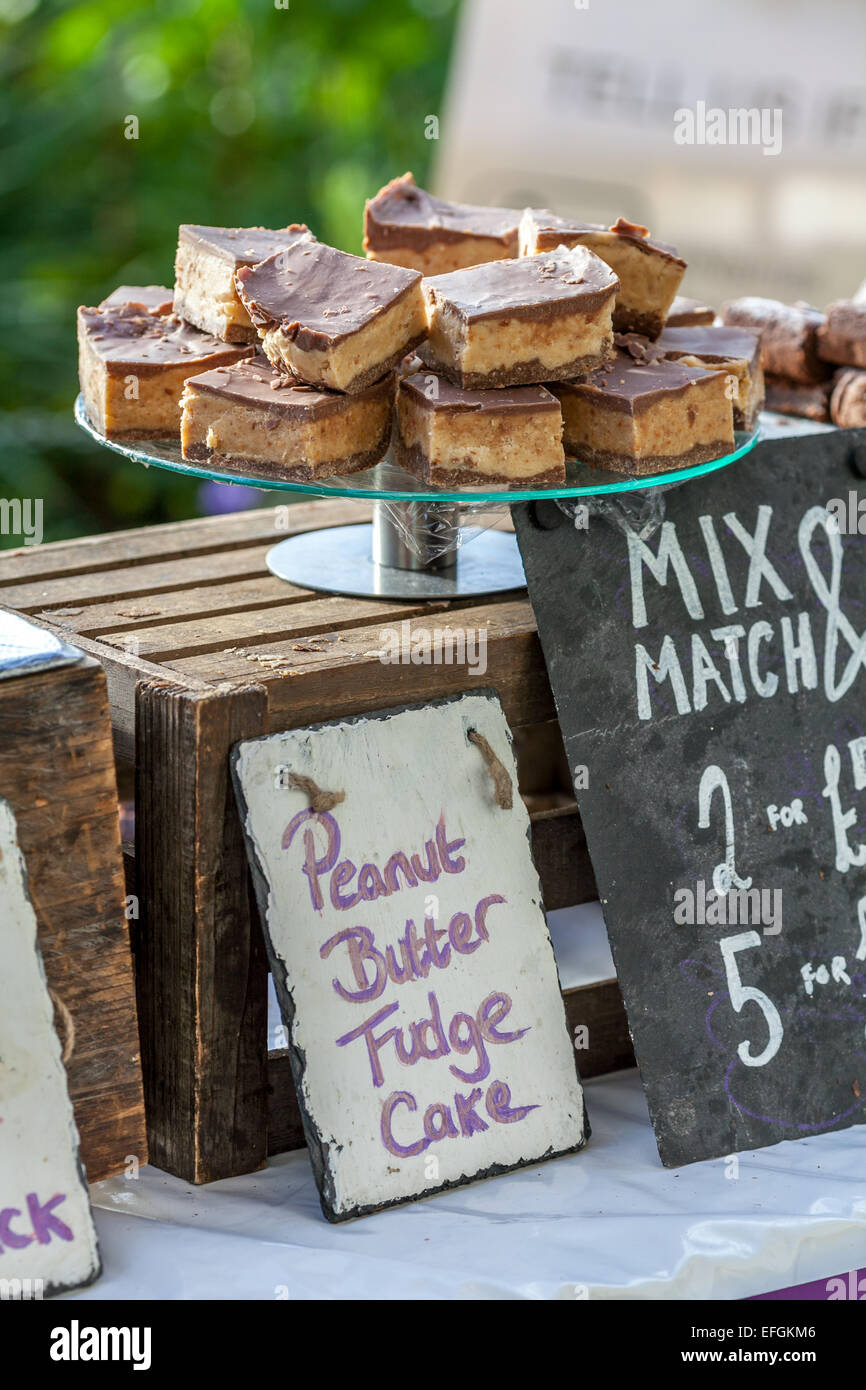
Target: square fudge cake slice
(649, 271)
(511, 437)
(204, 272)
(406, 226)
(132, 366)
(332, 319)
(643, 418)
(252, 417)
(736, 350)
(514, 323)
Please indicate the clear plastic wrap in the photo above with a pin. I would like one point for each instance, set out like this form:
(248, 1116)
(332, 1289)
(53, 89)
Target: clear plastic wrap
(638, 511)
(433, 532)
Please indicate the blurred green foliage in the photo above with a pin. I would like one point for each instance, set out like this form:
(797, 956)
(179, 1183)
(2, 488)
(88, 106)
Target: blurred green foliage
(250, 112)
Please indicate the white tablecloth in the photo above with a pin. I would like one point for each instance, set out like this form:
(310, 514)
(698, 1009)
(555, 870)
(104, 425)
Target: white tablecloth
(609, 1222)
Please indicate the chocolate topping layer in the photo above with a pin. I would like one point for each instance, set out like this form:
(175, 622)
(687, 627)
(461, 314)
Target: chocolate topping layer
(687, 313)
(549, 224)
(129, 337)
(154, 299)
(255, 383)
(242, 245)
(518, 400)
(402, 214)
(530, 287)
(633, 387)
(319, 296)
(714, 344)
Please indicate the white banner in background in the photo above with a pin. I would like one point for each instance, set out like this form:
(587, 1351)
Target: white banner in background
(736, 131)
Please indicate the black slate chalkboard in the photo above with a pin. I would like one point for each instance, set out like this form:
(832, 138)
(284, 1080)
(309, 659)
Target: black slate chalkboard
(711, 688)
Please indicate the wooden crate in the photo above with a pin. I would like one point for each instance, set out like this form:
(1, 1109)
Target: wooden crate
(202, 647)
(57, 773)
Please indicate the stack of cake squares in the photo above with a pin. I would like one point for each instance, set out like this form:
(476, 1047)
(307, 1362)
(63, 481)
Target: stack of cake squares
(489, 343)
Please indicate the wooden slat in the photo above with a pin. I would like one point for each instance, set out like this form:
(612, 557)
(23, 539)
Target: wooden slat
(136, 581)
(201, 968)
(175, 539)
(350, 677)
(320, 613)
(57, 772)
(562, 859)
(208, 600)
(598, 1007)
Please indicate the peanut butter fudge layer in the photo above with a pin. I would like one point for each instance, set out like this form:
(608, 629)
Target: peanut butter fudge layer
(848, 401)
(649, 271)
(736, 350)
(842, 339)
(408, 227)
(133, 365)
(204, 271)
(689, 313)
(153, 299)
(809, 402)
(252, 417)
(332, 319)
(646, 418)
(789, 336)
(511, 323)
(511, 436)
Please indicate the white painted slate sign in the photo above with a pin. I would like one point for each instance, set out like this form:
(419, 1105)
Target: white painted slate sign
(47, 1236)
(410, 952)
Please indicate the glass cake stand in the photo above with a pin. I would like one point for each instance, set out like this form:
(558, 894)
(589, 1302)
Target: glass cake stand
(415, 546)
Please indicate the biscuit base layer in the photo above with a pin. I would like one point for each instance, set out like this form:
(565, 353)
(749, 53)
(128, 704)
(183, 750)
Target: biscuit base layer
(463, 473)
(648, 322)
(298, 472)
(653, 463)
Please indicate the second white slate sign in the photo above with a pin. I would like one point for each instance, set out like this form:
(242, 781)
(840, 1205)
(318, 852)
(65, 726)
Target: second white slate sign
(410, 951)
(47, 1236)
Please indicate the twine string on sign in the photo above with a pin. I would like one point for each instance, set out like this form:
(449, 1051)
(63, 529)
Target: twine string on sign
(319, 800)
(503, 791)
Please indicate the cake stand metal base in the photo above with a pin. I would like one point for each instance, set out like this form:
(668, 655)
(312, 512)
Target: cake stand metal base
(422, 555)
